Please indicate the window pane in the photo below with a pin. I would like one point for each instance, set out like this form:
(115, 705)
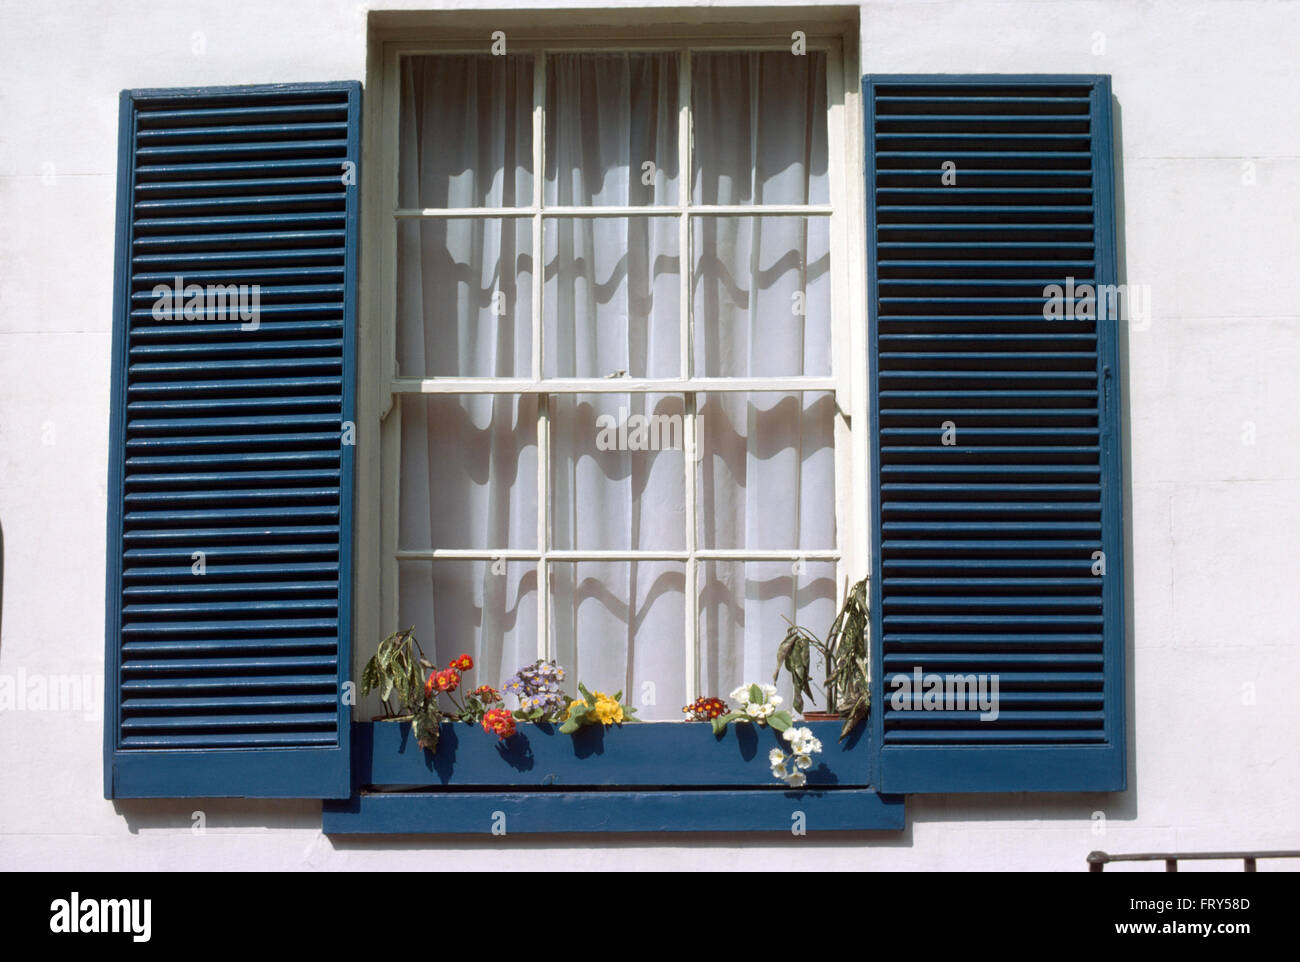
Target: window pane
(618, 625)
(487, 609)
(759, 122)
(744, 607)
(767, 471)
(612, 297)
(762, 296)
(464, 298)
(466, 132)
(618, 472)
(608, 115)
(469, 472)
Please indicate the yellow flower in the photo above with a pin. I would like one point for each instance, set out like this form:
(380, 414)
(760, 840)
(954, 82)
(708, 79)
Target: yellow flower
(572, 705)
(607, 710)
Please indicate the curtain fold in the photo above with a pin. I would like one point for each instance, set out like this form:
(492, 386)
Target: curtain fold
(611, 286)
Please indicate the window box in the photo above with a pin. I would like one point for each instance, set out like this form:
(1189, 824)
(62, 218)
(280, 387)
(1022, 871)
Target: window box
(603, 780)
(634, 755)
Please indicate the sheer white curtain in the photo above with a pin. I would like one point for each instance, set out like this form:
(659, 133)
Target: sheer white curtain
(610, 306)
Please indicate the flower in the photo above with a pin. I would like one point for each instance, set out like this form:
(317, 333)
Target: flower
(607, 710)
(802, 740)
(446, 680)
(428, 685)
(758, 708)
(572, 705)
(463, 663)
(499, 720)
(705, 709)
(486, 694)
(537, 688)
(803, 743)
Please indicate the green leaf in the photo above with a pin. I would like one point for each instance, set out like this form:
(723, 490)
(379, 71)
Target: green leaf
(755, 693)
(569, 727)
(780, 720)
(719, 724)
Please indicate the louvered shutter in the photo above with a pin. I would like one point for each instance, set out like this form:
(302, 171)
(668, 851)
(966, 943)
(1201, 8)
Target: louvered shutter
(230, 487)
(995, 435)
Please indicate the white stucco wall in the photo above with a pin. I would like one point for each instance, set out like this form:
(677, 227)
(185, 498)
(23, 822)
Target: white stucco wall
(1202, 88)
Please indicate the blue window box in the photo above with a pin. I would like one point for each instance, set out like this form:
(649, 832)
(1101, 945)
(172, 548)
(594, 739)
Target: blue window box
(646, 777)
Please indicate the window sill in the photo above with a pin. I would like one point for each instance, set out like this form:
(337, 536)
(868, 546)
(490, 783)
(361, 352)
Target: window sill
(649, 777)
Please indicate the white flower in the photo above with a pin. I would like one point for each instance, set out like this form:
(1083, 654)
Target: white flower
(763, 710)
(770, 692)
(753, 710)
(779, 771)
(795, 779)
(776, 757)
(793, 734)
(814, 745)
(775, 699)
(803, 761)
(741, 694)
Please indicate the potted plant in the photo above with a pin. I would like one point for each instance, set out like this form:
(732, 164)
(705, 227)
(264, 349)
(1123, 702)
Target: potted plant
(847, 682)
(397, 669)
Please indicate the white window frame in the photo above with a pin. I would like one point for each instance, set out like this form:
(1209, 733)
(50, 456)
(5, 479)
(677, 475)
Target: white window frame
(378, 476)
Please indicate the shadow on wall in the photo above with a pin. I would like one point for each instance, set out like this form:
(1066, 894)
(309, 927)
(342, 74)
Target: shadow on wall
(216, 815)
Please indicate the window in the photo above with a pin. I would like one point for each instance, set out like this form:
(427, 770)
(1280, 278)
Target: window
(619, 358)
(522, 310)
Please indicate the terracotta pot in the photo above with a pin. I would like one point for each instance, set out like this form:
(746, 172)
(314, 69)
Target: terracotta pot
(821, 716)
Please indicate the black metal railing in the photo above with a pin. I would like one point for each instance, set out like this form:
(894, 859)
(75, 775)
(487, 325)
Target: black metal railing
(1097, 861)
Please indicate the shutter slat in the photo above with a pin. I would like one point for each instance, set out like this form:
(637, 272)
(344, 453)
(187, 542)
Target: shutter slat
(993, 432)
(228, 443)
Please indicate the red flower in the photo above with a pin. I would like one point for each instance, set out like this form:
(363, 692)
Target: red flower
(429, 683)
(705, 709)
(486, 694)
(463, 663)
(448, 679)
(499, 720)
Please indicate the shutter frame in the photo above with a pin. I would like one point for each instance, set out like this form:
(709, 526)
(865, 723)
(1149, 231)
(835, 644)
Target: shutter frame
(289, 771)
(1044, 766)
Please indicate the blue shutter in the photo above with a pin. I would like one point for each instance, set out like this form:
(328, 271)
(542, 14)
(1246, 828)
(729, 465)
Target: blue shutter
(983, 550)
(227, 441)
